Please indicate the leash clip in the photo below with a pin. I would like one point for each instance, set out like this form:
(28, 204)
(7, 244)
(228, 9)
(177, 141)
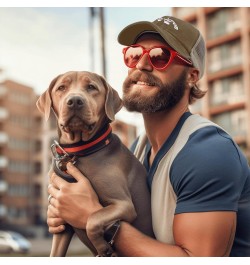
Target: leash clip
(54, 152)
(62, 160)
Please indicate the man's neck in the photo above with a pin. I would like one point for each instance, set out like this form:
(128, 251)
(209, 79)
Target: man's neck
(160, 125)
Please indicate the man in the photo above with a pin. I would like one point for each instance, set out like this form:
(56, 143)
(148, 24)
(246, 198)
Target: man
(198, 177)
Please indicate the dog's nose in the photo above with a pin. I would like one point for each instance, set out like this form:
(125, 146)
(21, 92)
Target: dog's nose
(75, 102)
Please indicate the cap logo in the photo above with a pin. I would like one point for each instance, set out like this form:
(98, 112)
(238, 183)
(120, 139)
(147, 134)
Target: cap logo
(168, 21)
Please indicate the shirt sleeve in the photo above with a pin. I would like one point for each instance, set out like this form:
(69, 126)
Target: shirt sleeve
(207, 173)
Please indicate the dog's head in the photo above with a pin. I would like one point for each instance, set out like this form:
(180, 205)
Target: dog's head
(82, 103)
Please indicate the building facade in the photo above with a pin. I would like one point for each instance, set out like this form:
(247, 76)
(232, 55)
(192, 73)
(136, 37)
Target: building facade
(226, 31)
(20, 156)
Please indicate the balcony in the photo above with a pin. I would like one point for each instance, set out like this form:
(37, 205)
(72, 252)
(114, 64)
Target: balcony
(3, 90)
(3, 211)
(3, 138)
(3, 162)
(3, 187)
(3, 113)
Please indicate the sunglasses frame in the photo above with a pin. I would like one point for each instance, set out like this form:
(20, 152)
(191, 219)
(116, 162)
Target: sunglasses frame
(173, 54)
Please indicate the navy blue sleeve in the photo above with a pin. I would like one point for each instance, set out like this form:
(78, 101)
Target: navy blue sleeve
(207, 174)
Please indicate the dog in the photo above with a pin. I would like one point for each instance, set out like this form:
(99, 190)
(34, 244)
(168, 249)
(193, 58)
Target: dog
(85, 105)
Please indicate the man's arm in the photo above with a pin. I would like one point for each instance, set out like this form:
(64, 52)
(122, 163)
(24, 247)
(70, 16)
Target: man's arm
(207, 234)
(195, 234)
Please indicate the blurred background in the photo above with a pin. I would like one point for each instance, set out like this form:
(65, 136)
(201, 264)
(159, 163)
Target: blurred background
(39, 43)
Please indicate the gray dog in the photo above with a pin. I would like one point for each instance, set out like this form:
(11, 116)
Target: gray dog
(85, 104)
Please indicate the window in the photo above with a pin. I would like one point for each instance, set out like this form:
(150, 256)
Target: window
(233, 122)
(14, 213)
(224, 56)
(21, 121)
(37, 168)
(20, 98)
(227, 91)
(224, 21)
(214, 60)
(21, 167)
(18, 190)
(233, 18)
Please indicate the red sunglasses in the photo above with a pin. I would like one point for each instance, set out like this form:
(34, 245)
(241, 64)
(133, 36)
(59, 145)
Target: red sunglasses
(160, 57)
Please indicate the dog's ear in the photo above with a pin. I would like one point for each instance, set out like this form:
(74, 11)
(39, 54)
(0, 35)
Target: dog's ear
(113, 102)
(44, 102)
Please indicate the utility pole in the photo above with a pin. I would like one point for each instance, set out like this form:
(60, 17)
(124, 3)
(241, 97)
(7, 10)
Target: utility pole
(93, 14)
(91, 38)
(102, 31)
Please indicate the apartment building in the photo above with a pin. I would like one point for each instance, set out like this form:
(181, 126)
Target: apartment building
(20, 155)
(226, 31)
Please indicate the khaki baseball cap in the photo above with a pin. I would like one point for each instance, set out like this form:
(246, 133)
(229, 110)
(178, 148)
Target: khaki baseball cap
(182, 36)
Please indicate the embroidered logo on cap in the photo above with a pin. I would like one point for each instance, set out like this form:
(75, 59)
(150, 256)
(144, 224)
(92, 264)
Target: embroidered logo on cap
(168, 21)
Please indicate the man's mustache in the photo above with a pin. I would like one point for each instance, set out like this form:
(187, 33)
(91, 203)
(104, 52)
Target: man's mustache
(143, 77)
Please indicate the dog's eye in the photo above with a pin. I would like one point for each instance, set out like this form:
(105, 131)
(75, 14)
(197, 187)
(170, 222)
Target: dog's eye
(61, 88)
(91, 87)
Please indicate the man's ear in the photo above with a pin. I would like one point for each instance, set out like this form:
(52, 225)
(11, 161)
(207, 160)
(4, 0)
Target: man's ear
(192, 76)
(113, 102)
(44, 102)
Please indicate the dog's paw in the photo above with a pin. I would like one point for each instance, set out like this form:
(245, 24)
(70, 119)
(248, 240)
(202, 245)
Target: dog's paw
(108, 252)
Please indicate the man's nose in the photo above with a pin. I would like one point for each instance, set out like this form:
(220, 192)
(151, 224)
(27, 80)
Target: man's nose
(144, 63)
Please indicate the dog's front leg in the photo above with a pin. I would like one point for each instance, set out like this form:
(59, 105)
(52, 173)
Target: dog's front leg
(100, 220)
(60, 242)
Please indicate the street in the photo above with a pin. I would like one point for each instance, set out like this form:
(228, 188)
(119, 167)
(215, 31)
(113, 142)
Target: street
(40, 247)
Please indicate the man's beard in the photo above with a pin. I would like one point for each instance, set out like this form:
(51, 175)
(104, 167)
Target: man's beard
(167, 97)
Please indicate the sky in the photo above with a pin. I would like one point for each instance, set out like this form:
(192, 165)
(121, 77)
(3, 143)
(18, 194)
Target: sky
(39, 43)
(40, 40)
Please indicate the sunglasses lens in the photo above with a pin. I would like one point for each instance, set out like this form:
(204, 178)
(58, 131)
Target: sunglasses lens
(132, 56)
(159, 57)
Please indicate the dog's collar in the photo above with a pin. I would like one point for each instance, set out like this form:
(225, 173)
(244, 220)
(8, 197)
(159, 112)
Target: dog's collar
(65, 153)
(84, 148)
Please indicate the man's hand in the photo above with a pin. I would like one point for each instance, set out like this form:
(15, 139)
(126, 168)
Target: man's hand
(70, 203)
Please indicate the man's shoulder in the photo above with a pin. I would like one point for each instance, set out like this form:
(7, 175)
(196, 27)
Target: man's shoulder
(211, 149)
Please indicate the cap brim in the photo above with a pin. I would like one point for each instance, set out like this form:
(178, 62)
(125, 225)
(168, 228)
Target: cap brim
(130, 33)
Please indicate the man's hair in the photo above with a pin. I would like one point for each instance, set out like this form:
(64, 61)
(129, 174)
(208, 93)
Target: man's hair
(196, 93)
